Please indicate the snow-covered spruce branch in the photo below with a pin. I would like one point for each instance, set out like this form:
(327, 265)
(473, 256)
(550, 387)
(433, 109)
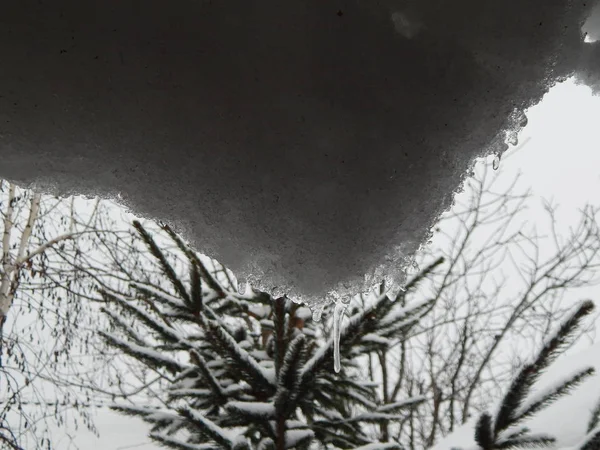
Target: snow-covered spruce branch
(494, 432)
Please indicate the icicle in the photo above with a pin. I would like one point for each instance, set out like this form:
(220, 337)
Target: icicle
(338, 315)
(496, 162)
(317, 312)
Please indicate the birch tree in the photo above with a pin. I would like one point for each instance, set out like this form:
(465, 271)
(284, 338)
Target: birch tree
(43, 325)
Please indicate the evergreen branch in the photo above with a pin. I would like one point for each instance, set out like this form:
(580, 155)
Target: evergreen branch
(252, 411)
(328, 432)
(381, 446)
(517, 434)
(484, 436)
(375, 417)
(158, 418)
(193, 258)
(166, 332)
(401, 328)
(530, 373)
(196, 288)
(279, 316)
(358, 325)
(298, 438)
(266, 444)
(207, 428)
(407, 314)
(162, 297)
(401, 406)
(171, 442)
(166, 267)
(539, 441)
(419, 277)
(553, 395)
(227, 348)
(120, 323)
(591, 442)
(289, 377)
(143, 354)
(208, 376)
(353, 328)
(595, 418)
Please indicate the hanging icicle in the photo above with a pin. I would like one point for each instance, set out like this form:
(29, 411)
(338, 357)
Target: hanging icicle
(338, 315)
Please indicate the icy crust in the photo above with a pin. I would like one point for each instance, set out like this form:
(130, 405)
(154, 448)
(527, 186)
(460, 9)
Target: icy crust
(296, 142)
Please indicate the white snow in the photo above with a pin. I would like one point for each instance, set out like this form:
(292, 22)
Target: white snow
(260, 311)
(264, 410)
(325, 177)
(293, 437)
(303, 313)
(378, 446)
(376, 339)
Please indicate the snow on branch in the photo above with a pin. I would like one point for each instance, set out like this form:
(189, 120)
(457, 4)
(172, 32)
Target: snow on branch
(297, 438)
(207, 374)
(546, 397)
(166, 267)
(166, 332)
(380, 446)
(118, 321)
(400, 406)
(161, 296)
(143, 354)
(211, 281)
(530, 373)
(208, 428)
(171, 442)
(252, 410)
(229, 348)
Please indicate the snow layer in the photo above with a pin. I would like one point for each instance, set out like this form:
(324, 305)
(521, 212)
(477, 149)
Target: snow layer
(307, 144)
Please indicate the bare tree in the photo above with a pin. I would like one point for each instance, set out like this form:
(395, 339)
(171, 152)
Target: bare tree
(44, 327)
(502, 288)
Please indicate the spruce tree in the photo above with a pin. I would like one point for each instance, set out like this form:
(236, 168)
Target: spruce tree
(505, 429)
(248, 371)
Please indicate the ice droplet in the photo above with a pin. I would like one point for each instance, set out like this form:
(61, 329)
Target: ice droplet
(317, 312)
(496, 162)
(338, 315)
(242, 286)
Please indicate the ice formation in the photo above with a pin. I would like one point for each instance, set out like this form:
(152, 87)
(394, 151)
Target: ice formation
(338, 317)
(317, 312)
(305, 144)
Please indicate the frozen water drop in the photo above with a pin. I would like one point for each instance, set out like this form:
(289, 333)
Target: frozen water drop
(338, 315)
(242, 286)
(317, 313)
(523, 121)
(496, 162)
